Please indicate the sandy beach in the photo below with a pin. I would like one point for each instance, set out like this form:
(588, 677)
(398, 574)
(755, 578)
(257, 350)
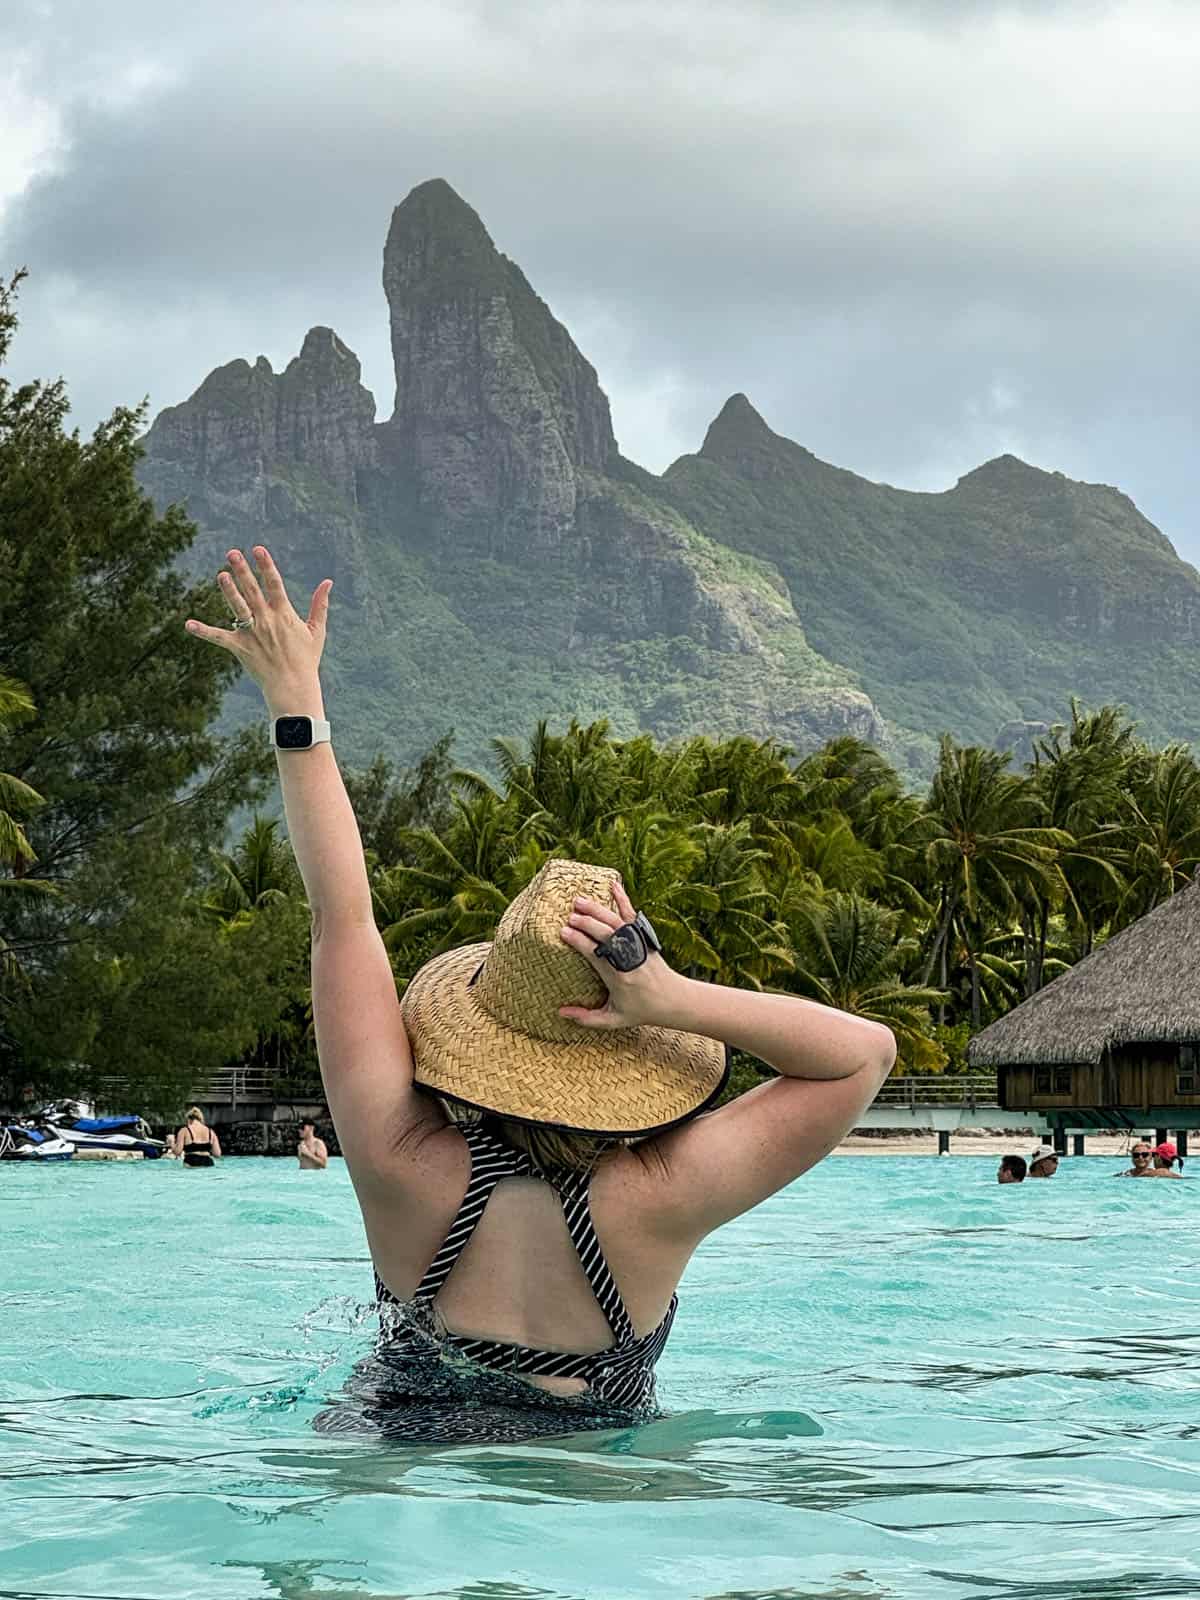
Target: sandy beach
(976, 1142)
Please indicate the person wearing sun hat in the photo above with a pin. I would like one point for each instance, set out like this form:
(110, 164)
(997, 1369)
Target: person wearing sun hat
(530, 1130)
(1043, 1163)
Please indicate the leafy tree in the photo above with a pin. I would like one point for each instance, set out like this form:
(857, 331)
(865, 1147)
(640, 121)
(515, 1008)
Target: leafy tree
(1160, 830)
(389, 805)
(17, 799)
(850, 954)
(984, 849)
(136, 785)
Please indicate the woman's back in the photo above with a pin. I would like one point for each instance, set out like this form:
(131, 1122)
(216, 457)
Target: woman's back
(196, 1142)
(520, 1277)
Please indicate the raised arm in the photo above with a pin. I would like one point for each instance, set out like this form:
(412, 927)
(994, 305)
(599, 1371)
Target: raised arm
(365, 1061)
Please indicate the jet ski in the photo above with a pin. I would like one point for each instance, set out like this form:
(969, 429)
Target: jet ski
(127, 1132)
(21, 1142)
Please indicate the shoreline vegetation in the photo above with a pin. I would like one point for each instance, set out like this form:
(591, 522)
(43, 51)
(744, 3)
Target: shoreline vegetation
(151, 936)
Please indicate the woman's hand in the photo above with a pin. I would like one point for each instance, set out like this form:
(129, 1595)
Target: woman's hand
(278, 648)
(634, 998)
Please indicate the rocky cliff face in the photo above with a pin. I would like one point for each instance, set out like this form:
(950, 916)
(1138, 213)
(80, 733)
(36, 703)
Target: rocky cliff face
(496, 410)
(257, 455)
(494, 510)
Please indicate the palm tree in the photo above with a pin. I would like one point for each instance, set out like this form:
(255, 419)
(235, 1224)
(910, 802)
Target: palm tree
(850, 954)
(458, 887)
(260, 871)
(1079, 776)
(983, 850)
(1160, 833)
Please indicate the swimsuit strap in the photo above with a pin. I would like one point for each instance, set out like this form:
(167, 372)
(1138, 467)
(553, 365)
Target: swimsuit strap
(491, 1160)
(575, 1195)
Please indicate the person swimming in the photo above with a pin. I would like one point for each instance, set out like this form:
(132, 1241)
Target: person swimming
(529, 1131)
(1142, 1156)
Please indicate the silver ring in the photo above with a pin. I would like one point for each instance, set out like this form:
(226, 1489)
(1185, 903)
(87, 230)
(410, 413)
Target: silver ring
(242, 622)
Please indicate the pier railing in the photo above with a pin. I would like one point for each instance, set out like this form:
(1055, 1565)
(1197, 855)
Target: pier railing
(968, 1091)
(234, 1086)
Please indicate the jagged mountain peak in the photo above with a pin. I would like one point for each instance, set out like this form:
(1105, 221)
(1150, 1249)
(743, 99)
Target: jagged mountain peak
(322, 345)
(480, 357)
(1008, 474)
(437, 243)
(737, 427)
(740, 439)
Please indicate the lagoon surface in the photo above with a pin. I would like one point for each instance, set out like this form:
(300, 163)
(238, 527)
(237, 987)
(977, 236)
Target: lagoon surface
(895, 1379)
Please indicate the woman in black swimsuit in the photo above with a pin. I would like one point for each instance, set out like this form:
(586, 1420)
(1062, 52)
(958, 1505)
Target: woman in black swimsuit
(196, 1142)
(525, 1136)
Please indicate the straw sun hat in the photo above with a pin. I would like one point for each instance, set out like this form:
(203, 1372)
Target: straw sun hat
(484, 1027)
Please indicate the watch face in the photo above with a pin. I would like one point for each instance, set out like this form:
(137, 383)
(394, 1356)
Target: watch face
(293, 733)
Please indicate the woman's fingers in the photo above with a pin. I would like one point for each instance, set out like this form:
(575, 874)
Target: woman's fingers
(624, 903)
(318, 611)
(244, 577)
(587, 906)
(601, 1018)
(595, 928)
(578, 940)
(272, 582)
(234, 597)
(225, 637)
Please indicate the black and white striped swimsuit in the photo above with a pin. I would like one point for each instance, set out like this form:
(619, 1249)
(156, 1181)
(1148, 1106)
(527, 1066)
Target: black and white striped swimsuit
(440, 1387)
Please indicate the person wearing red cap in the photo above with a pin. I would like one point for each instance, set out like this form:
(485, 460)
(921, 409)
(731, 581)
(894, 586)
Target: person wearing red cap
(1165, 1156)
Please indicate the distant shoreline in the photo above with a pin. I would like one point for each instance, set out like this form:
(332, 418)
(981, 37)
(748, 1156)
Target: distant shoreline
(972, 1143)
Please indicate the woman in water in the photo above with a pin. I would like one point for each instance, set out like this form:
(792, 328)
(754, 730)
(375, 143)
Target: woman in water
(524, 1132)
(196, 1142)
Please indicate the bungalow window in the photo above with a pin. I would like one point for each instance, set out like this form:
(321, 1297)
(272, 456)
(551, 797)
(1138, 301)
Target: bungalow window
(1187, 1076)
(1052, 1080)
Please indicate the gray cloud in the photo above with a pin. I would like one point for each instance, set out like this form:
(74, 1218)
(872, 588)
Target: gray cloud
(915, 234)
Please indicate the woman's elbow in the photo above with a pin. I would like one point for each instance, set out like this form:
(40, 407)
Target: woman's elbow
(883, 1056)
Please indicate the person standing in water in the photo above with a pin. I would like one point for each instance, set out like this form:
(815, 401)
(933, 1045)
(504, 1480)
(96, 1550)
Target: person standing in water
(529, 1132)
(1012, 1169)
(1043, 1163)
(196, 1142)
(311, 1151)
(1166, 1155)
(1142, 1156)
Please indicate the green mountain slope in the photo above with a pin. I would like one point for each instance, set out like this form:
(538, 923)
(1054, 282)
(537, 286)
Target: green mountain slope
(996, 600)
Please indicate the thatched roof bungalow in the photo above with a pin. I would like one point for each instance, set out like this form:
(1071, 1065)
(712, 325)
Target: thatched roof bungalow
(1115, 1041)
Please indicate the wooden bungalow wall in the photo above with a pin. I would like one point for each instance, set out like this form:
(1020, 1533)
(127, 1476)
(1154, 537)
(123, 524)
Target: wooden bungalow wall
(1140, 1075)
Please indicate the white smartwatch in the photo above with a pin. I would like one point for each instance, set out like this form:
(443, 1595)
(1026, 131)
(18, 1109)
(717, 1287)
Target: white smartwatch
(299, 733)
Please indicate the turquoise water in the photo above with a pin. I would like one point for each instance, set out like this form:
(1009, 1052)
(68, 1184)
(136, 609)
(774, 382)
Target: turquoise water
(895, 1379)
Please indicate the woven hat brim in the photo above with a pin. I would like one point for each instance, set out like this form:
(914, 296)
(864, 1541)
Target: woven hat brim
(625, 1083)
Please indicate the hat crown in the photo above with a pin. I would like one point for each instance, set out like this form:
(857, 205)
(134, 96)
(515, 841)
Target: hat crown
(529, 972)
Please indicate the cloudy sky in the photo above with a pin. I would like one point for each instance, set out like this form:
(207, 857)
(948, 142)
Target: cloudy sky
(916, 234)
